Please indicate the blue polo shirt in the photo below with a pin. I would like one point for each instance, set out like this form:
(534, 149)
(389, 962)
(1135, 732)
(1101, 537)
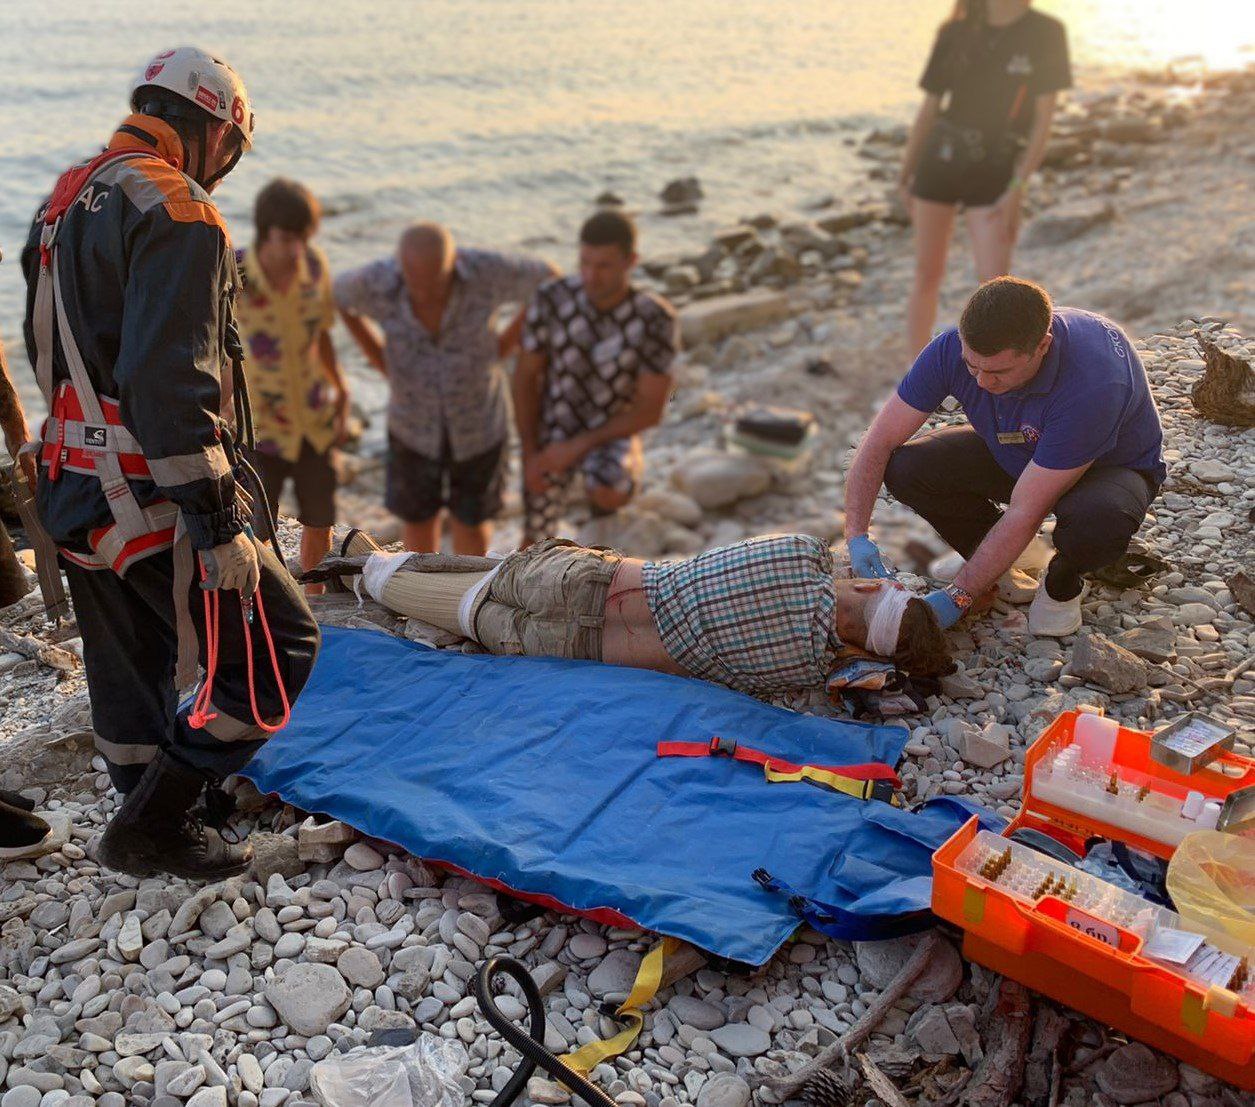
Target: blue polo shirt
(1089, 402)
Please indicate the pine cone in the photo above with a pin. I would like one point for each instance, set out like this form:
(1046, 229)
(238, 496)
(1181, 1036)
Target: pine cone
(827, 1089)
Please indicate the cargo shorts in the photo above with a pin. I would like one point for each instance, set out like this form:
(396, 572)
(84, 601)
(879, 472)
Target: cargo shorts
(548, 601)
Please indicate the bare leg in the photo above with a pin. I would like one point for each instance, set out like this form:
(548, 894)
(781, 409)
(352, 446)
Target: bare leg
(423, 536)
(934, 224)
(470, 539)
(315, 545)
(607, 498)
(991, 241)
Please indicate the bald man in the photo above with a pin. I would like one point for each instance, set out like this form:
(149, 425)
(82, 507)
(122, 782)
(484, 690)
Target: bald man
(435, 304)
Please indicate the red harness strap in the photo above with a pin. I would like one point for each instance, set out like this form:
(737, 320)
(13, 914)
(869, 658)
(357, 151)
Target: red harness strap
(724, 747)
(79, 455)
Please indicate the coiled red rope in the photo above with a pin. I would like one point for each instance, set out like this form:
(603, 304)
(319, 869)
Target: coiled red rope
(202, 707)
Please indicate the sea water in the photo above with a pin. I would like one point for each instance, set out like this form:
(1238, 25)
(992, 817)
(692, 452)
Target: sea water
(506, 118)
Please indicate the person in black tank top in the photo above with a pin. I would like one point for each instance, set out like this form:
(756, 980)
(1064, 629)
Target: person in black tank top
(991, 85)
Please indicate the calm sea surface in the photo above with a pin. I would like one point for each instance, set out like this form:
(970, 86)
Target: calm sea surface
(504, 118)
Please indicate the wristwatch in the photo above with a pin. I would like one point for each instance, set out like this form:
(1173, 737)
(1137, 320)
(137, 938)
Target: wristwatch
(961, 597)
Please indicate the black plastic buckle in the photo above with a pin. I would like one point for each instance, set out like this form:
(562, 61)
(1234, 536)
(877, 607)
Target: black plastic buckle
(882, 790)
(722, 747)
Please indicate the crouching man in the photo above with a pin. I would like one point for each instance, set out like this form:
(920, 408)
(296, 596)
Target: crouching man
(763, 616)
(1060, 420)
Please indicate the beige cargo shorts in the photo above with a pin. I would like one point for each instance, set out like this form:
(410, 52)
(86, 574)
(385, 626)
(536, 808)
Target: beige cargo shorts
(548, 601)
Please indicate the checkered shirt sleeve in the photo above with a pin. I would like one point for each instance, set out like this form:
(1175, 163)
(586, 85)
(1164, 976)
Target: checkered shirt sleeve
(757, 616)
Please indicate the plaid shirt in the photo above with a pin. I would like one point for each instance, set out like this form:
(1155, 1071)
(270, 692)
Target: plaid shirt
(756, 616)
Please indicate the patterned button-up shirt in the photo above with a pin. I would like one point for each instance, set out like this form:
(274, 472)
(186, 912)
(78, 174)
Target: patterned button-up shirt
(447, 386)
(291, 389)
(595, 356)
(757, 616)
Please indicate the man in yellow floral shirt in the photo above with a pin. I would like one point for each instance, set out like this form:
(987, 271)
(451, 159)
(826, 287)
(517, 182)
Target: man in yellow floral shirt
(300, 398)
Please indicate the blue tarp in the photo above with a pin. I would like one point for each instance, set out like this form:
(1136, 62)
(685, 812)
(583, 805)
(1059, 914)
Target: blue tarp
(541, 775)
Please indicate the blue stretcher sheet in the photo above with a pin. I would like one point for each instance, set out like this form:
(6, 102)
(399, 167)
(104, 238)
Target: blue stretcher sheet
(541, 775)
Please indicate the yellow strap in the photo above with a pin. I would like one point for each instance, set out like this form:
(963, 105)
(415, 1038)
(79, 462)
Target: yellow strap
(648, 981)
(859, 789)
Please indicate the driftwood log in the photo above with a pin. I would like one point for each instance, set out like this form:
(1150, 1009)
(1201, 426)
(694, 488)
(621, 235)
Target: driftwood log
(1226, 392)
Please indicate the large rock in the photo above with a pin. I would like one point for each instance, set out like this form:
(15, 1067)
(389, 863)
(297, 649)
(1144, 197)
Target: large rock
(880, 962)
(931, 1032)
(725, 1089)
(1068, 221)
(711, 320)
(615, 974)
(1135, 1073)
(309, 998)
(740, 1039)
(716, 480)
(1155, 642)
(275, 853)
(673, 506)
(1100, 661)
(696, 1013)
(985, 748)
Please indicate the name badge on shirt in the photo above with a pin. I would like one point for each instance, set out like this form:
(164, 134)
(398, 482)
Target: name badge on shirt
(1011, 438)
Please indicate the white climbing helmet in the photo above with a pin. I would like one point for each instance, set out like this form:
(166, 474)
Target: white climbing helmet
(201, 79)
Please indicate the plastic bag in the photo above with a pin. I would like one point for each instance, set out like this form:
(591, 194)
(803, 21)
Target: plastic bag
(1211, 879)
(424, 1073)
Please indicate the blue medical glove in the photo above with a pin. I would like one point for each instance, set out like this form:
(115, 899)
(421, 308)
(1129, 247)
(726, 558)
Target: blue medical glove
(865, 558)
(948, 612)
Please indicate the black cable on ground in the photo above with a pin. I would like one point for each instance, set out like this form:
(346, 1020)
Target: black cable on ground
(532, 1046)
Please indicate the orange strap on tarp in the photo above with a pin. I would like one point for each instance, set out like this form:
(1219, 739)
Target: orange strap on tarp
(868, 781)
(725, 747)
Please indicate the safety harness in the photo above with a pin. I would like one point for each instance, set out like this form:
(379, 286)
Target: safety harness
(872, 781)
(84, 433)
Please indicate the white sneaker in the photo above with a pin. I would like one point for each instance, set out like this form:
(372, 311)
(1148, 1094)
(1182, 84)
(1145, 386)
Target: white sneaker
(1036, 555)
(1050, 618)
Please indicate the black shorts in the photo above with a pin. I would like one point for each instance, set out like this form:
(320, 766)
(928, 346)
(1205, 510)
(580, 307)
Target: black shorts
(419, 486)
(314, 480)
(948, 174)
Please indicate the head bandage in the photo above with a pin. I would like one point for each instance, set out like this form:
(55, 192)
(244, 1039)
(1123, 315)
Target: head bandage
(886, 621)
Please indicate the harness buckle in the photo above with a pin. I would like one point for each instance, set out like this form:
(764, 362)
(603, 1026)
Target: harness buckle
(722, 747)
(883, 790)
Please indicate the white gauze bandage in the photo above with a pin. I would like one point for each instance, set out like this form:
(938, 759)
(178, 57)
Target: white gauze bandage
(378, 571)
(886, 620)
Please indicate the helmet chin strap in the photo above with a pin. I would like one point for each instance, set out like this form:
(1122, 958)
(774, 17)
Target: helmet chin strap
(235, 160)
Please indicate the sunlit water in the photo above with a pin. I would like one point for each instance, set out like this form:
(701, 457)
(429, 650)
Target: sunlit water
(504, 118)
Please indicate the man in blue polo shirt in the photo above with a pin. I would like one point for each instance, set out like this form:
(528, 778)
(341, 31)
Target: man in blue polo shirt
(1060, 420)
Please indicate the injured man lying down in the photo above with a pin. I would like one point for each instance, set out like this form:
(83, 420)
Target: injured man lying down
(765, 616)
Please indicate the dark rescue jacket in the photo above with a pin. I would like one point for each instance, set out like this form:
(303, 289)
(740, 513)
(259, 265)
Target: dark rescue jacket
(147, 280)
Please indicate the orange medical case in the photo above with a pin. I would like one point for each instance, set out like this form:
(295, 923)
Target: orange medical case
(1102, 972)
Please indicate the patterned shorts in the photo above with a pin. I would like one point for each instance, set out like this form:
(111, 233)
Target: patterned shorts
(616, 465)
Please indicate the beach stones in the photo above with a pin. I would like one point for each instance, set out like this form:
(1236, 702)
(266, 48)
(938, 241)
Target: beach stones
(309, 998)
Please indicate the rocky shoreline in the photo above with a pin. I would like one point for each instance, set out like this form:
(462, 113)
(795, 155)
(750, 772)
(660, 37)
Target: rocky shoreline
(115, 991)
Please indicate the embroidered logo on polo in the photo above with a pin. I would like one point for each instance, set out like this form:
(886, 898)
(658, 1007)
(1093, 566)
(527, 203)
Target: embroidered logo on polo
(1020, 65)
(1026, 435)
